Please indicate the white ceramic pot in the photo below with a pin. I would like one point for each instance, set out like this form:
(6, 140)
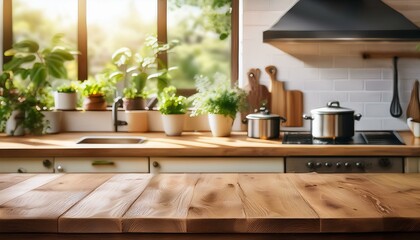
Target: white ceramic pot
(52, 120)
(220, 126)
(65, 101)
(414, 127)
(173, 124)
(14, 125)
(137, 121)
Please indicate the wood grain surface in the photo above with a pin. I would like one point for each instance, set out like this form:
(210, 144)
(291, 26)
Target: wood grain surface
(215, 203)
(192, 144)
(101, 211)
(38, 209)
(272, 204)
(164, 205)
(13, 178)
(413, 108)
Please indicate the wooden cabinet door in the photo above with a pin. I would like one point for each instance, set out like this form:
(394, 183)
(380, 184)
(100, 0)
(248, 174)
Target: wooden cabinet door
(27, 165)
(216, 164)
(102, 164)
(412, 165)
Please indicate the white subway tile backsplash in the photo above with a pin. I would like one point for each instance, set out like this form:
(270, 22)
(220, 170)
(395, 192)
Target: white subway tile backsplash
(377, 63)
(335, 73)
(312, 61)
(333, 96)
(299, 74)
(254, 32)
(253, 5)
(349, 85)
(394, 124)
(318, 85)
(365, 97)
(368, 124)
(261, 18)
(376, 110)
(282, 5)
(287, 61)
(365, 73)
(378, 85)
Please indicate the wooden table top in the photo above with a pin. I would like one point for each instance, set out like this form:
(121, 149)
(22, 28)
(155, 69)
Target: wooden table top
(209, 203)
(191, 144)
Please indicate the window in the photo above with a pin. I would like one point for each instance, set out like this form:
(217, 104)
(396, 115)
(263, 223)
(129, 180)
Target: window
(99, 27)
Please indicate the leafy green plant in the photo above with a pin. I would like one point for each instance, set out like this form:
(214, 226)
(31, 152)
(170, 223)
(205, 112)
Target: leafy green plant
(98, 85)
(136, 68)
(216, 96)
(67, 88)
(26, 79)
(170, 103)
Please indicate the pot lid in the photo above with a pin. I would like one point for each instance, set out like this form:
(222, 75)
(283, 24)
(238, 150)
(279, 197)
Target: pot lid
(262, 113)
(332, 108)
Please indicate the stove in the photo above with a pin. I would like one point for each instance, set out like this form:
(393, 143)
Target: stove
(337, 164)
(361, 138)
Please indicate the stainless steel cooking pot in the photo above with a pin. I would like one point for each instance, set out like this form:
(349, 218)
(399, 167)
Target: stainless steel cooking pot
(332, 121)
(264, 125)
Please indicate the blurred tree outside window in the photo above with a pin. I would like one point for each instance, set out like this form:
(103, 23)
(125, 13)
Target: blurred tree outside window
(202, 28)
(40, 20)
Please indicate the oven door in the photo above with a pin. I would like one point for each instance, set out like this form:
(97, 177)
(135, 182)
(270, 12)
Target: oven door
(344, 164)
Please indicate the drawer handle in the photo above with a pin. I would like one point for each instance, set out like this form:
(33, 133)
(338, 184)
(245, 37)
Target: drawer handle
(22, 170)
(155, 164)
(102, 163)
(47, 163)
(60, 169)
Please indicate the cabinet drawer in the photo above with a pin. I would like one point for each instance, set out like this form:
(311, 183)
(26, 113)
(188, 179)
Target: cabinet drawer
(216, 165)
(102, 164)
(27, 165)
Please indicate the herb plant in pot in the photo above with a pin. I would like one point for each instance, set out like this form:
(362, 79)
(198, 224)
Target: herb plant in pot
(65, 97)
(173, 109)
(217, 98)
(96, 90)
(26, 78)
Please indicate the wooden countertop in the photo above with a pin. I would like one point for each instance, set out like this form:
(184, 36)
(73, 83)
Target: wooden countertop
(190, 144)
(209, 203)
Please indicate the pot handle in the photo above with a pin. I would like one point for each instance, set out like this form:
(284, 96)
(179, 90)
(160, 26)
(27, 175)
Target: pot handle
(335, 104)
(283, 119)
(357, 117)
(307, 117)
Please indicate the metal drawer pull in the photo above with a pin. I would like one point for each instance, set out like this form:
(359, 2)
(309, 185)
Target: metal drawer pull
(22, 170)
(102, 163)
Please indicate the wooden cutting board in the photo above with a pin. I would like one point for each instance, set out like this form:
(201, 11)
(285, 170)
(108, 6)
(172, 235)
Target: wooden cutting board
(286, 103)
(257, 94)
(413, 108)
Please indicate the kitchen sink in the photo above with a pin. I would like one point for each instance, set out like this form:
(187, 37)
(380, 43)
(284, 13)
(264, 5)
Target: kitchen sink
(110, 140)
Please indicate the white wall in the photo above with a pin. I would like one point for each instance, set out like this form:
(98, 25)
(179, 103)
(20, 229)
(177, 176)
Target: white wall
(329, 71)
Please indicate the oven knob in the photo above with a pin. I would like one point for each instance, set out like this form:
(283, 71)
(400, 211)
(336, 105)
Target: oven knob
(384, 162)
(318, 164)
(310, 165)
(360, 165)
(347, 164)
(338, 165)
(328, 164)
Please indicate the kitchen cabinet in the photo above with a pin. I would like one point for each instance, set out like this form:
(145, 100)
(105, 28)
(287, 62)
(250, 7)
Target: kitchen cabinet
(27, 165)
(216, 164)
(102, 164)
(412, 165)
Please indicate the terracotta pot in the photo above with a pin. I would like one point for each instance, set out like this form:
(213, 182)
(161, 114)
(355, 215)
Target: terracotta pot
(137, 121)
(173, 124)
(94, 103)
(220, 126)
(137, 103)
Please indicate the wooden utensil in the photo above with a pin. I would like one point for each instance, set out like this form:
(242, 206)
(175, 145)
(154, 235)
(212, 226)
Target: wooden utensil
(278, 93)
(413, 108)
(294, 110)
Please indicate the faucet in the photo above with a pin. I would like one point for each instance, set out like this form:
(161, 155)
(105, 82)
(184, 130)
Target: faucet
(118, 102)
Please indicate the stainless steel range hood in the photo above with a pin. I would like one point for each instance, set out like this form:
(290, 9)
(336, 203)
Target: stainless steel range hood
(342, 20)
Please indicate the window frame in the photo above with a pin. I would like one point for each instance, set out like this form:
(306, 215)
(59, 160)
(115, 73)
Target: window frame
(82, 60)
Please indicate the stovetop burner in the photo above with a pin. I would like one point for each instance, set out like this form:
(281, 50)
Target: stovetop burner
(362, 138)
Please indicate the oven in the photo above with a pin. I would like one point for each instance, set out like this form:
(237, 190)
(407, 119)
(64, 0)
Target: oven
(336, 164)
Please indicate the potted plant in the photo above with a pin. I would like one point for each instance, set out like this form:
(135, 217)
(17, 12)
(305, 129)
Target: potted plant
(217, 98)
(65, 97)
(96, 90)
(25, 80)
(173, 109)
(134, 69)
